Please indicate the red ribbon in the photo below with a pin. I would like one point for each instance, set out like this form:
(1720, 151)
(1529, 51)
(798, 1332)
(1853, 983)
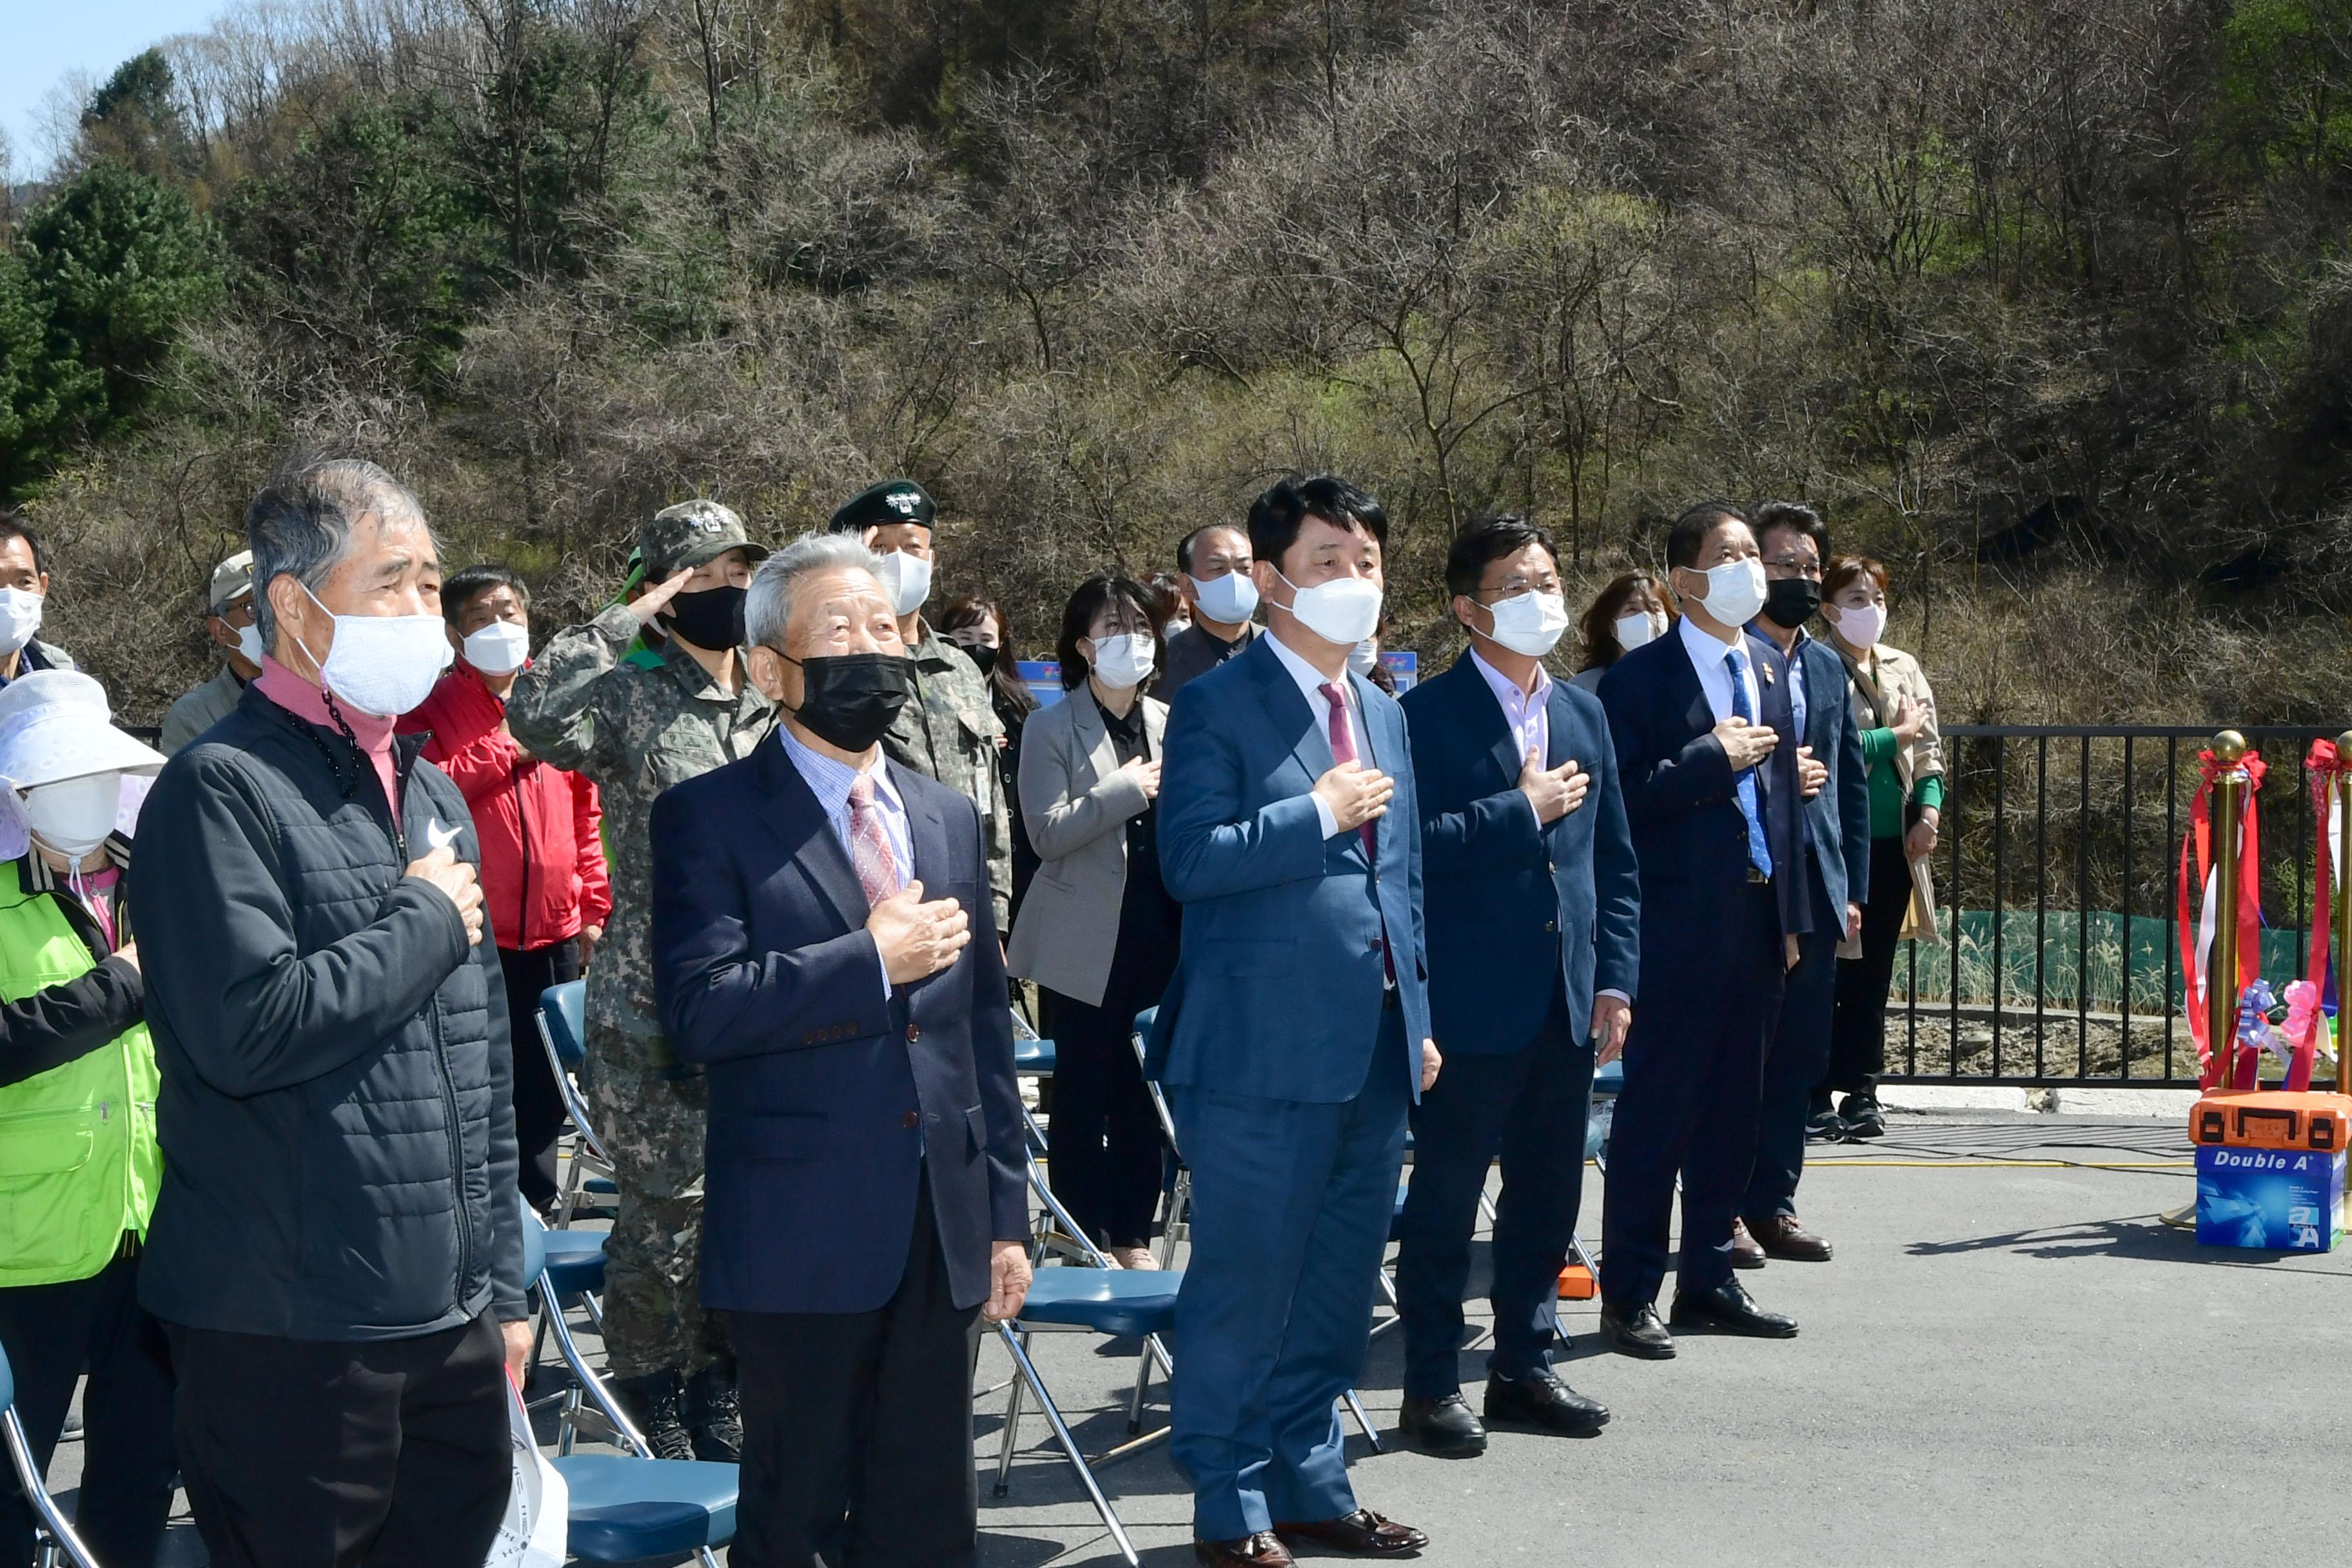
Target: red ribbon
(2326, 766)
(2196, 864)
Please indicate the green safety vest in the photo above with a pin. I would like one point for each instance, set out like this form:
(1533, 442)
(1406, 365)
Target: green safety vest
(78, 1160)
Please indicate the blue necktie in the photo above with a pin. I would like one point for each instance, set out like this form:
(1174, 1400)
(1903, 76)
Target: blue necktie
(1760, 854)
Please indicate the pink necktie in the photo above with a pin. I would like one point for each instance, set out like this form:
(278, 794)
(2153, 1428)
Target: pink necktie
(1343, 747)
(869, 847)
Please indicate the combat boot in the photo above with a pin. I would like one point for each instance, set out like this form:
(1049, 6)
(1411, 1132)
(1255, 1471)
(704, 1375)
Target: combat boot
(651, 1403)
(712, 1416)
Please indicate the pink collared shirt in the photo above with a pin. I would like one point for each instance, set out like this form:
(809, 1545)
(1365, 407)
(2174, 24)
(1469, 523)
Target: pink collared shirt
(306, 701)
(1525, 712)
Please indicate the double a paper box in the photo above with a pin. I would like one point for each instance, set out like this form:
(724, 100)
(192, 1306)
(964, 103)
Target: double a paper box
(2280, 1200)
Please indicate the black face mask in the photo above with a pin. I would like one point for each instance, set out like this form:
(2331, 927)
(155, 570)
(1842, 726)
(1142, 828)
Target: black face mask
(1791, 601)
(984, 656)
(850, 699)
(709, 618)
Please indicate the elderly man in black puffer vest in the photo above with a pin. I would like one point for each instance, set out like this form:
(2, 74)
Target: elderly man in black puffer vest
(336, 1254)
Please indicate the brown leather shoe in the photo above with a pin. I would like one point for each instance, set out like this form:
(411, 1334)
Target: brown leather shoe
(1745, 1253)
(1782, 1236)
(1263, 1549)
(1363, 1533)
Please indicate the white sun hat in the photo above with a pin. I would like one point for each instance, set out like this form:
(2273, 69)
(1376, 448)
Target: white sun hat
(54, 725)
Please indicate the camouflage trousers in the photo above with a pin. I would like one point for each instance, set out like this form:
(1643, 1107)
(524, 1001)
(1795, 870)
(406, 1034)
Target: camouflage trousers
(652, 1125)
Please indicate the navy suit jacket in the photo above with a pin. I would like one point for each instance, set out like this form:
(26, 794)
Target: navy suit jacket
(1838, 818)
(1516, 909)
(1279, 985)
(829, 1103)
(1682, 802)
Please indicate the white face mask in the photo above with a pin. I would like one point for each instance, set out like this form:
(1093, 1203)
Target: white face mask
(1639, 628)
(498, 648)
(1861, 625)
(1344, 610)
(1531, 623)
(1365, 656)
(74, 816)
(248, 645)
(1122, 661)
(384, 664)
(907, 579)
(1734, 592)
(20, 617)
(1228, 600)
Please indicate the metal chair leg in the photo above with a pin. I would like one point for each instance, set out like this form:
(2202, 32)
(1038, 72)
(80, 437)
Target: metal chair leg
(1152, 1350)
(1355, 1406)
(28, 1479)
(1005, 1439)
(1070, 1447)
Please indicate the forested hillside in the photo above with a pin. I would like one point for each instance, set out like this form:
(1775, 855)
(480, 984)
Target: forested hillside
(2048, 304)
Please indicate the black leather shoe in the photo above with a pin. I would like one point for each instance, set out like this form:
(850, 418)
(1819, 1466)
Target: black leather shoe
(1263, 1550)
(1727, 1307)
(1363, 1533)
(651, 1403)
(1825, 1127)
(1443, 1426)
(1543, 1400)
(713, 1416)
(1638, 1332)
(1861, 1117)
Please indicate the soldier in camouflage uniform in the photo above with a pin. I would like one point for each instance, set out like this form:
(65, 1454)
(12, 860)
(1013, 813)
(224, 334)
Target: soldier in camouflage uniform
(637, 717)
(950, 731)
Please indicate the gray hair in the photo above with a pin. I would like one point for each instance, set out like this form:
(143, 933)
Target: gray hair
(767, 607)
(302, 524)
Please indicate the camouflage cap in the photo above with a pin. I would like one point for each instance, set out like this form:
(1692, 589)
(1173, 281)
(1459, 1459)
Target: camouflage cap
(892, 501)
(684, 536)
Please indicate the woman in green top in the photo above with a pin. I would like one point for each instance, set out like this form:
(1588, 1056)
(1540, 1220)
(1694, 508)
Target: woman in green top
(78, 1162)
(1896, 712)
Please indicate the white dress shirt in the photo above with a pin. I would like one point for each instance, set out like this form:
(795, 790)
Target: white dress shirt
(830, 781)
(1526, 713)
(1708, 657)
(1311, 682)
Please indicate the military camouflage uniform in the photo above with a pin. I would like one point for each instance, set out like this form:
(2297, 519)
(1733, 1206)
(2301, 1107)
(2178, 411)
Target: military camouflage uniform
(636, 724)
(949, 732)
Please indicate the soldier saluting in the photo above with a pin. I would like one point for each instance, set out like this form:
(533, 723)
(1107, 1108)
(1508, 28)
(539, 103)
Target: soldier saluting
(950, 731)
(635, 723)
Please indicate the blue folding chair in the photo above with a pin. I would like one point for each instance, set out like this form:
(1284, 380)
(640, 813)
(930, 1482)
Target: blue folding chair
(1032, 1057)
(51, 1522)
(627, 1507)
(1094, 1296)
(563, 1034)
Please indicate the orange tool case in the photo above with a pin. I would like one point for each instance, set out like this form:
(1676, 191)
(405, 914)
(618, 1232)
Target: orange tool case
(2272, 1119)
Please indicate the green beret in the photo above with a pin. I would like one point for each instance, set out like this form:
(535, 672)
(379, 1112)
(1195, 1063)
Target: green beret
(878, 506)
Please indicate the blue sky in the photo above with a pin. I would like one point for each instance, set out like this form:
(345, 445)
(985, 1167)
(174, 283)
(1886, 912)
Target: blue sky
(42, 40)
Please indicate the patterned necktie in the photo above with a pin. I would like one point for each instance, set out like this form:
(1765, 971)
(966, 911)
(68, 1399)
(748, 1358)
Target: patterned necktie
(1343, 747)
(869, 847)
(1760, 854)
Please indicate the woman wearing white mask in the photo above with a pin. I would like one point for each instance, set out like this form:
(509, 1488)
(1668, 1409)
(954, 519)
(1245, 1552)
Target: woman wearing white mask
(545, 879)
(1895, 712)
(79, 1167)
(1097, 932)
(1632, 610)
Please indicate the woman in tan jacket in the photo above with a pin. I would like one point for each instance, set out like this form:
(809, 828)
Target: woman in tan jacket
(1098, 932)
(1903, 756)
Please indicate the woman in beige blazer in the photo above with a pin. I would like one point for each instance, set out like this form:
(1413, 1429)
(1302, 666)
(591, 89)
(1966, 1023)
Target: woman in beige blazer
(1903, 756)
(1097, 932)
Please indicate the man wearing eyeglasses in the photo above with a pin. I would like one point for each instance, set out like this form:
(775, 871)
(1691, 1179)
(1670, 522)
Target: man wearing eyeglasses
(1533, 905)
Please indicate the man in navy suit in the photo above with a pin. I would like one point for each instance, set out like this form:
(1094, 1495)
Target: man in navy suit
(1294, 1036)
(1533, 907)
(1707, 762)
(1795, 542)
(824, 944)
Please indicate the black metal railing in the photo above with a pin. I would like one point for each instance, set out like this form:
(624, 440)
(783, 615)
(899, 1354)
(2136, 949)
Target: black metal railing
(2057, 885)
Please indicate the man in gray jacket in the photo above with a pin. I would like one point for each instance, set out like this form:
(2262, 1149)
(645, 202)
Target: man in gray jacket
(337, 1252)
